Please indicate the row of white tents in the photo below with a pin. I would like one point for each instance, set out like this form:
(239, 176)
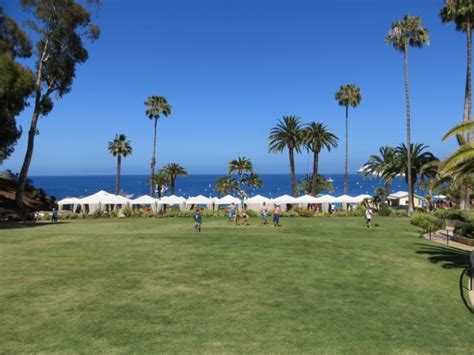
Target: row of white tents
(106, 201)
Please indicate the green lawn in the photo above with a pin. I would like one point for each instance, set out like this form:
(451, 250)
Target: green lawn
(154, 285)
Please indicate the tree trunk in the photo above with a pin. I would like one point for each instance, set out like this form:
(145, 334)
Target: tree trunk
(172, 185)
(388, 187)
(411, 201)
(20, 190)
(346, 165)
(465, 202)
(117, 177)
(153, 161)
(315, 172)
(292, 171)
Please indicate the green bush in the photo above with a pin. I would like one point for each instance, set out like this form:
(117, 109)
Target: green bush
(426, 221)
(304, 212)
(127, 212)
(384, 211)
(452, 215)
(98, 214)
(290, 213)
(466, 231)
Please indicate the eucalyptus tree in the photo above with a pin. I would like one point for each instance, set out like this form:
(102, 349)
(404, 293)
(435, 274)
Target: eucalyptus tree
(120, 147)
(60, 27)
(16, 84)
(156, 106)
(405, 33)
(381, 166)
(461, 12)
(348, 95)
(316, 136)
(172, 171)
(287, 134)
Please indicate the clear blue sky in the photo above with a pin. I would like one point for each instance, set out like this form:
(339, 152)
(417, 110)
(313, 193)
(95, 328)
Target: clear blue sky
(232, 68)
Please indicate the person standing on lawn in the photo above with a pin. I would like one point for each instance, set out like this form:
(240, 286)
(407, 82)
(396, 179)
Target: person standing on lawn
(198, 220)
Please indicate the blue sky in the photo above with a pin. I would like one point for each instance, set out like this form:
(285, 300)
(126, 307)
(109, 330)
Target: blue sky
(231, 69)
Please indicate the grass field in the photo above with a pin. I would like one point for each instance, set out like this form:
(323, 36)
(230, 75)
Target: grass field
(143, 285)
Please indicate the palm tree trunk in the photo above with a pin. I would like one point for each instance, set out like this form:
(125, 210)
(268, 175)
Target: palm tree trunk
(315, 172)
(346, 164)
(153, 160)
(117, 177)
(465, 203)
(172, 185)
(411, 201)
(292, 172)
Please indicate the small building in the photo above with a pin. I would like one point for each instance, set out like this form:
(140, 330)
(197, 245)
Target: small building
(400, 199)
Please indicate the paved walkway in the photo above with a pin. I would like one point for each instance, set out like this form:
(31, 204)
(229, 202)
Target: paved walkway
(440, 237)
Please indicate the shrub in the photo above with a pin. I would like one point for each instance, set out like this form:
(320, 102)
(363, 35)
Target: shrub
(467, 230)
(304, 212)
(384, 211)
(291, 213)
(99, 214)
(426, 221)
(127, 212)
(452, 215)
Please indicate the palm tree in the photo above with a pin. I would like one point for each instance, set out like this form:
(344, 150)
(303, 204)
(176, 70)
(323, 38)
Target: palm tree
(253, 180)
(404, 33)
(316, 137)
(381, 166)
(420, 160)
(225, 185)
(156, 106)
(160, 181)
(461, 12)
(305, 185)
(172, 171)
(119, 147)
(287, 134)
(240, 166)
(348, 95)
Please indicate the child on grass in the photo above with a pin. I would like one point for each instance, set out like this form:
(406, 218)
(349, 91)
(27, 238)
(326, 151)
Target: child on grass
(198, 220)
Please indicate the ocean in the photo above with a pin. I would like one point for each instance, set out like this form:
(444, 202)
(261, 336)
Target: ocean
(192, 185)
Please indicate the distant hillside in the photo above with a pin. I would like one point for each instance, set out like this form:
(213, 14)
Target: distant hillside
(34, 200)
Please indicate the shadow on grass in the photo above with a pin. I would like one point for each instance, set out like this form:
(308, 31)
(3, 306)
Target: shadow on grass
(464, 290)
(19, 225)
(450, 258)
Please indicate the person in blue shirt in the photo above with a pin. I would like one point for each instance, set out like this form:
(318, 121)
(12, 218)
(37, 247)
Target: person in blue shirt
(232, 212)
(198, 220)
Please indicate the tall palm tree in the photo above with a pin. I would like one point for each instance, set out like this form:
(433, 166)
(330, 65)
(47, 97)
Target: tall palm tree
(461, 12)
(120, 147)
(408, 32)
(240, 166)
(156, 106)
(348, 95)
(172, 171)
(316, 136)
(420, 159)
(225, 185)
(381, 165)
(287, 134)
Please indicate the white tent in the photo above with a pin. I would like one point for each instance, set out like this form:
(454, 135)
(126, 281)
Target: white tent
(172, 200)
(307, 199)
(93, 202)
(345, 199)
(110, 199)
(326, 199)
(146, 200)
(257, 199)
(226, 200)
(361, 198)
(285, 199)
(199, 200)
(68, 201)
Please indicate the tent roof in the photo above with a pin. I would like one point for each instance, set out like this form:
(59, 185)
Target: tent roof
(326, 199)
(345, 199)
(258, 199)
(285, 199)
(198, 200)
(172, 200)
(307, 199)
(69, 201)
(144, 200)
(361, 198)
(227, 200)
(105, 198)
(401, 194)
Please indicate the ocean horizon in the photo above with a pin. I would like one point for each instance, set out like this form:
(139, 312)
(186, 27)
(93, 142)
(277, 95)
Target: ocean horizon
(198, 184)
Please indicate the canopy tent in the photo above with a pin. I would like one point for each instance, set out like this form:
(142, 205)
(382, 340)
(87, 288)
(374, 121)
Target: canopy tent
(326, 199)
(285, 199)
(226, 200)
(172, 200)
(257, 199)
(363, 197)
(199, 200)
(100, 199)
(345, 199)
(146, 200)
(307, 199)
(69, 201)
